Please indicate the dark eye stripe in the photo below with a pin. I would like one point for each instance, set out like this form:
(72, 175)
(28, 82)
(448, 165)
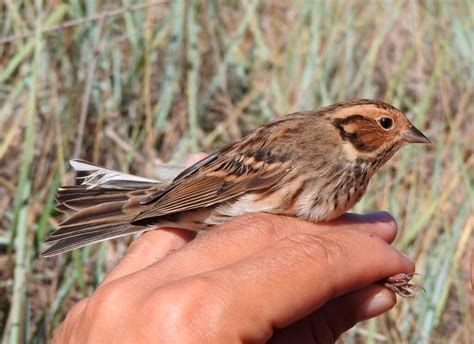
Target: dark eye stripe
(362, 140)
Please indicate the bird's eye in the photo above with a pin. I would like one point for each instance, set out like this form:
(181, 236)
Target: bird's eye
(386, 122)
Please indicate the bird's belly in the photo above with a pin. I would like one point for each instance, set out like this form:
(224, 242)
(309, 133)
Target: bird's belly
(245, 204)
(322, 204)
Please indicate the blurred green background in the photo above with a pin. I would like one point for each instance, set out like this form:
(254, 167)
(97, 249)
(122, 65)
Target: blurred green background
(130, 85)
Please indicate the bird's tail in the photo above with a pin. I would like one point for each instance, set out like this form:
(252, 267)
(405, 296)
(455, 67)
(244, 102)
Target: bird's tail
(99, 209)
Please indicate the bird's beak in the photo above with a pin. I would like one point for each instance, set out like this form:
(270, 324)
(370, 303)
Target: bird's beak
(413, 135)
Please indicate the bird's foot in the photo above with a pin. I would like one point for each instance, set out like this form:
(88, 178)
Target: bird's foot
(400, 284)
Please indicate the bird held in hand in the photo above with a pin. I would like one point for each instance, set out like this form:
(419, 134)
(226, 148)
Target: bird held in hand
(314, 165)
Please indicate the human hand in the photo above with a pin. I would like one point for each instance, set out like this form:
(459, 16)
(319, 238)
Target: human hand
(256, 278)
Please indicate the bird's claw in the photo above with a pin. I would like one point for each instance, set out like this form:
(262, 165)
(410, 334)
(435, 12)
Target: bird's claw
(400, 284)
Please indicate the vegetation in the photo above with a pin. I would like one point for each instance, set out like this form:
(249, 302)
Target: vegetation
(129, 86)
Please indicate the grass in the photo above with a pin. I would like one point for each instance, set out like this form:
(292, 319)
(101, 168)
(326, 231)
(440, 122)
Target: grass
(132, 85)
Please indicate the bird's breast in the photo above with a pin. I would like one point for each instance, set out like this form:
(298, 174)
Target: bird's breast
(333, 193)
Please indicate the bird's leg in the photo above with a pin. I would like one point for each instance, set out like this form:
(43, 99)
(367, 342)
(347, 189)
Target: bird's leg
(401, 285)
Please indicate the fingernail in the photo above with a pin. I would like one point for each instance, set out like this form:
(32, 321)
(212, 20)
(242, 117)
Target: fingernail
(379, 216)
(384, 218)
(378, 304)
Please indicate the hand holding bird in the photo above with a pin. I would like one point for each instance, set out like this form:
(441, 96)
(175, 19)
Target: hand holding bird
(257, 278)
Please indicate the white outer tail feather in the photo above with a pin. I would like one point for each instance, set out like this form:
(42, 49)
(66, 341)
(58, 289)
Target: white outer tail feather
(101, 176)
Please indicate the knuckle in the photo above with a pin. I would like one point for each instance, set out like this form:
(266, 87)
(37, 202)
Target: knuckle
(311, 246)
(107, 300)
(321, 249)
(183, 309)
(260, 224)
(140, 244)
(77, 309)
(266, 227)
(134, 245)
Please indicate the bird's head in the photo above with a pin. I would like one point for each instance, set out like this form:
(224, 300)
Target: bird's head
(373, 129)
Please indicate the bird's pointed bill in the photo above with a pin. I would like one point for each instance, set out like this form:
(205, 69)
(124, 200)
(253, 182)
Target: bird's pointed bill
(413, 135)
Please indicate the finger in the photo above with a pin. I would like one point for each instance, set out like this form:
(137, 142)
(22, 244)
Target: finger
(246, 235)
(359, 306)
(62, 333)
(338, 315)
(386, 226)
(148, 249)
(297, 275)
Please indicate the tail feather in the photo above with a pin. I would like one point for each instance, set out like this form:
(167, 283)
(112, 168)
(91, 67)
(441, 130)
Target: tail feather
(101, 212)
(110, 232)
(91, 201)
(79, 228)
(99, 209)
(76, 230)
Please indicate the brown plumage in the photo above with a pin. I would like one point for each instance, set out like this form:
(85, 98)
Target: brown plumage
(315, 165)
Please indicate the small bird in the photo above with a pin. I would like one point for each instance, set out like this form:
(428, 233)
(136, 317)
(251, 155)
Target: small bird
(314, 165)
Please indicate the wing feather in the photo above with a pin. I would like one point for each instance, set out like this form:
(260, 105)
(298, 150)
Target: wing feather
(213, 181)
